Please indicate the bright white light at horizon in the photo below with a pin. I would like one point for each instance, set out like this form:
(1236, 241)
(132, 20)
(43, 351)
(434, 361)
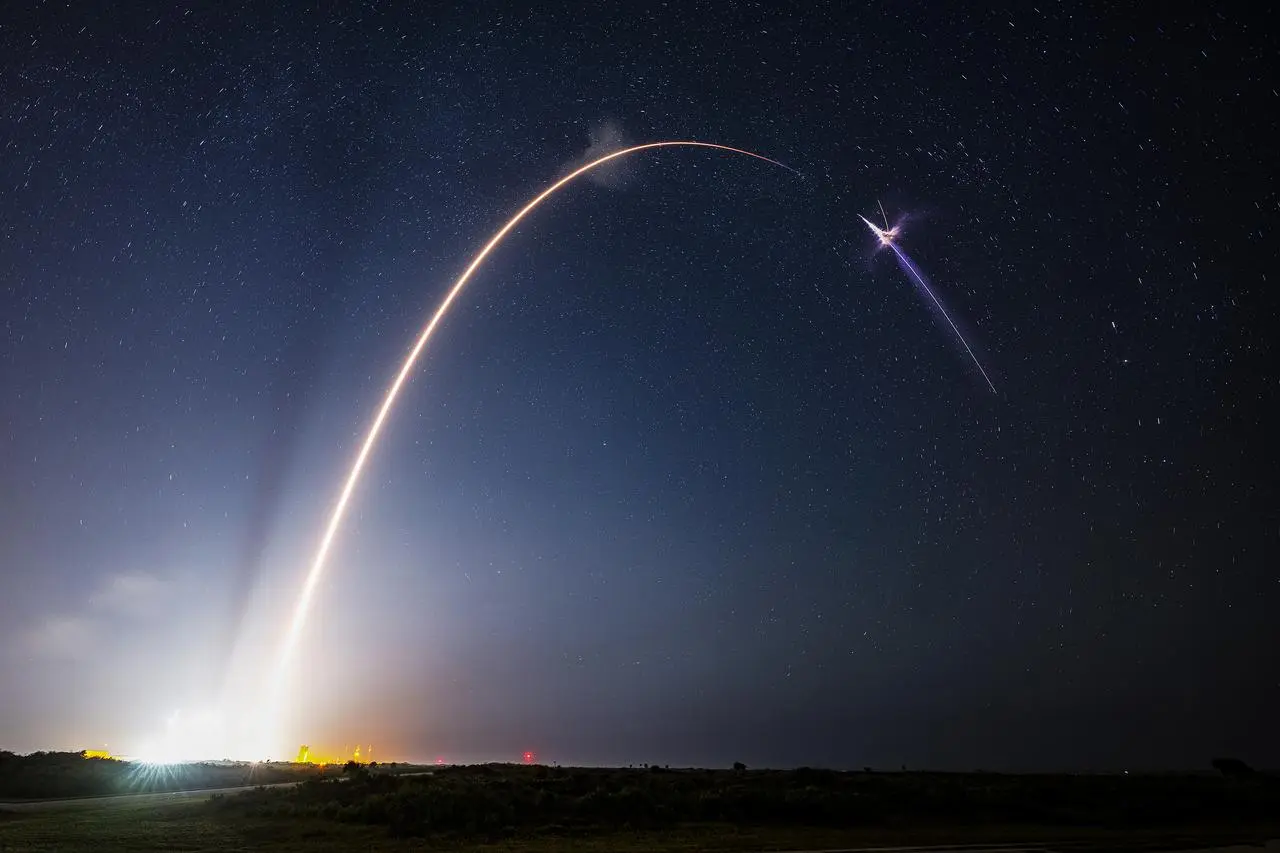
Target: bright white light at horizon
(195, 737)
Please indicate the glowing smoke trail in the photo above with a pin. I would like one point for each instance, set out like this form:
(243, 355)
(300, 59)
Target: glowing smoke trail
(318, 563)
(911, 268)
(887, 238)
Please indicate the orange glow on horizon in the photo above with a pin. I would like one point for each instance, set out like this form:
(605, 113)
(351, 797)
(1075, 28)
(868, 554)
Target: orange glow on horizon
(306, 755)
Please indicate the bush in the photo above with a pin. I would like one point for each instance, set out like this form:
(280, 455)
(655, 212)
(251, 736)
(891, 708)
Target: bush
(1232, 767)
(498, 801)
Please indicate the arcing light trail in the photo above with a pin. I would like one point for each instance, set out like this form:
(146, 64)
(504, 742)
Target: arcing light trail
(888, 237)
(316, 572)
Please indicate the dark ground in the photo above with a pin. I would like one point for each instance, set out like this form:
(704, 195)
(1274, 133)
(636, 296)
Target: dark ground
(496, 801)
(511, 807)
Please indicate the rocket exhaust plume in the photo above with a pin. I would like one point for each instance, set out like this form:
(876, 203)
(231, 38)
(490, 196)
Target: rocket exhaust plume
(303, 607)
(889, 237)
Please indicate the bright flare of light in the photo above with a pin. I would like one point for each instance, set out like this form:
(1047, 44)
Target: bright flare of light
(887, 238)
(187, 737)
(303, 607)
(213, 734)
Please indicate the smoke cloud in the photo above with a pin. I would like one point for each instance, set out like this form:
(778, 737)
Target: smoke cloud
(603, 138)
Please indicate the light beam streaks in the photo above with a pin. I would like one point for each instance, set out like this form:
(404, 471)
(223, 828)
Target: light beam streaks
(303, 607)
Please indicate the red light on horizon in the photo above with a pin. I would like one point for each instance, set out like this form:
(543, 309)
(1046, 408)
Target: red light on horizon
(528, 758)
(439, 761)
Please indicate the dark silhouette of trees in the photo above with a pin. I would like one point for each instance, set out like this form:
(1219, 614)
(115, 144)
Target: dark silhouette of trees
(497, 801)
(355, 770)
(52, 775)
(1232, 767)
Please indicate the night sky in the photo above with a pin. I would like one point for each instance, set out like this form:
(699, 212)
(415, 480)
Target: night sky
(692, 474)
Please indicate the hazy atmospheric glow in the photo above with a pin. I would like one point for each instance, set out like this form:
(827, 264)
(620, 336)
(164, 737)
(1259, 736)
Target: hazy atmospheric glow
(302, 609)
(686, 475)
(189, 737)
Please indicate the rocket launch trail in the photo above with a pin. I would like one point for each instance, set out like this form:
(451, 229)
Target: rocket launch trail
(316, 573)
(889, 237)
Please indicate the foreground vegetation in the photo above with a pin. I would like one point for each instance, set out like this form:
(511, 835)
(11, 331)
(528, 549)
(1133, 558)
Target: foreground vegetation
(529, 808)
(196, 827)
(502, 801)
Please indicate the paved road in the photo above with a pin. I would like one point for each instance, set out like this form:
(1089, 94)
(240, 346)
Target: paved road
(131, 799)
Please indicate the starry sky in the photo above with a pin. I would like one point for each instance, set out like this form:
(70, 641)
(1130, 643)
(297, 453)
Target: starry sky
(692, 474)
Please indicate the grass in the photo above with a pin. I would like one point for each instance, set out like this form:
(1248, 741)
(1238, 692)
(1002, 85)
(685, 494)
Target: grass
(106, 828)
(195, 827)
(503, 809)
(496, 801)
